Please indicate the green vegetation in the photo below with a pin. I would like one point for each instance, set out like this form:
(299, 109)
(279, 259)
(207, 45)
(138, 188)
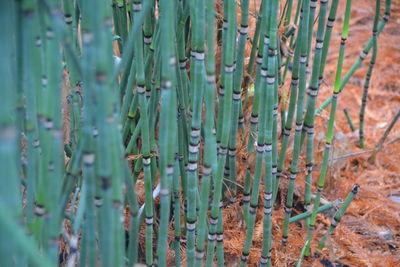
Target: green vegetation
(141, 111)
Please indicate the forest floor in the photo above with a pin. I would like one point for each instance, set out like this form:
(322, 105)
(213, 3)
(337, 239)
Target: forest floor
(369, 233)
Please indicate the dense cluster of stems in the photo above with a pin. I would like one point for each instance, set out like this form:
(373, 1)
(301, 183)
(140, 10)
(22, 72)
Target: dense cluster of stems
(120, 138)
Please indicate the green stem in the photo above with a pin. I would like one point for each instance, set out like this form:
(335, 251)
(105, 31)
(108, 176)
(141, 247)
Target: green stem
(339, 214)
(329, 134)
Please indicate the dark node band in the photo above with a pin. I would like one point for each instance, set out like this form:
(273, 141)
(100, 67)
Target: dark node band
(105, 183)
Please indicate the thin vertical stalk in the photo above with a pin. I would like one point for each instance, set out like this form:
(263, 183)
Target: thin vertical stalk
(292, 41)
(262, 147)
(197, 83)
(321, 48)
(369, 72)
(220, 239)
(237, 96)
(257, 91)
(254, 47)
(145, 149)
(10, 196)
(299, 117)
(177, 213)
(168, 123)
(228, 70)
(271, 81)
(290, 114)
(54, 161)
(31, 84)
(210, 152)
(329, 134)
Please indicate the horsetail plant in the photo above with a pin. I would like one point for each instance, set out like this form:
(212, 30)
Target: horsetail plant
(348, 118)
(338, 216)
(210, 152)
(133, 166)
(197, 10)
(261, 146)
(303, 31)
(290, 114)
(271, 91)
(237, 96)
(329, 134)
(10, 195)
(307, 214)
(363, 55)
(321, 51)
(369, 72)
